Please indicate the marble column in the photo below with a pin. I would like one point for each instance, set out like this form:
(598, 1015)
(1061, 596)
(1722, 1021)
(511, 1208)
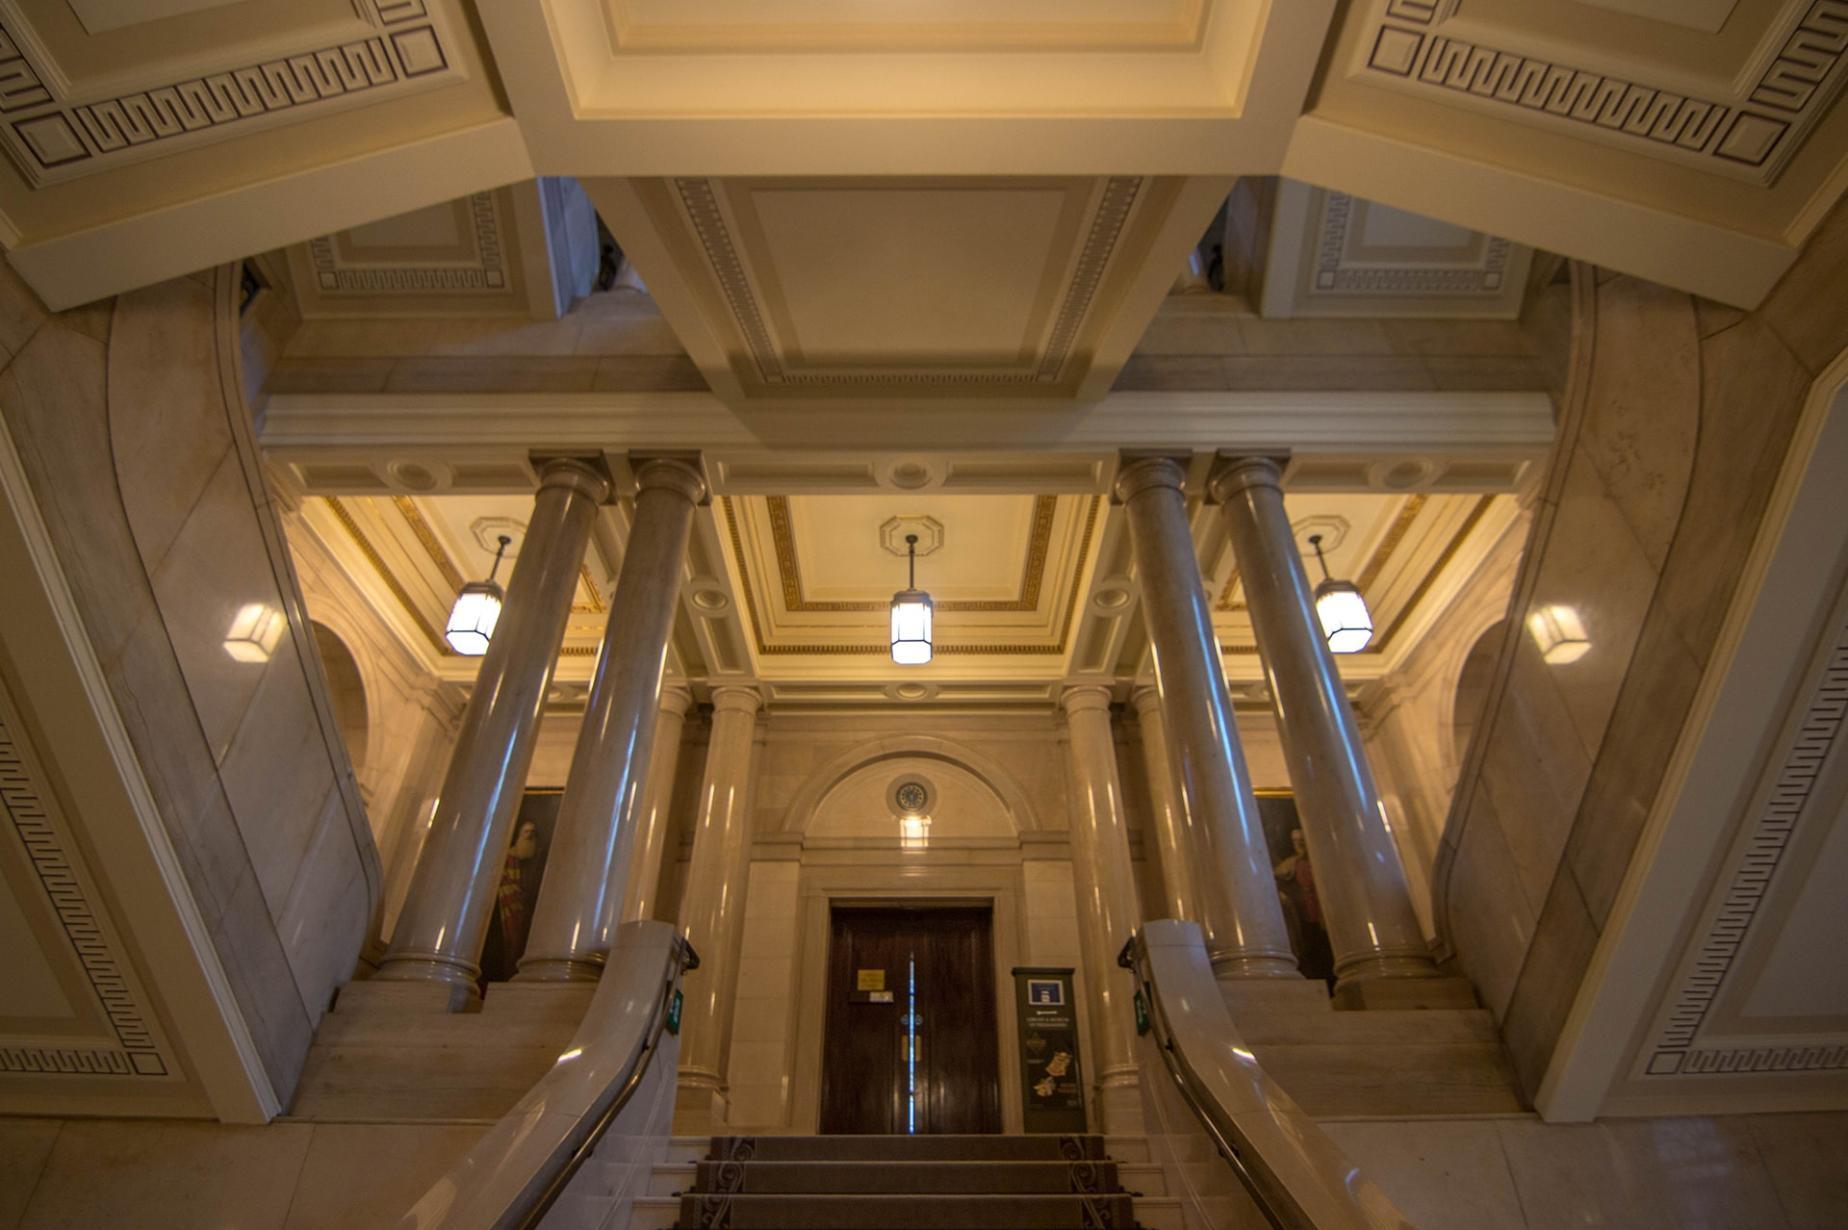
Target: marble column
(1107, 912)
(445, 917)
(641, 893)
(1241, 914)
(712, 905)
(1177, 846)
(609, 767)
(1369, 913)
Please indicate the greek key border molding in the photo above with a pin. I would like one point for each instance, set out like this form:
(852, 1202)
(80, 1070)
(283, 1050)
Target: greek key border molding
(52, 139)
(1677, 1050)
(1334, 276)
(700, 202)
(137, 1053)
(1749, 137)
(489, 276)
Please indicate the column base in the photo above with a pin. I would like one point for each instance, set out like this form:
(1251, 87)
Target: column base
(1118, 1099)
(558, 969)
(1243, 996)
(445, 971)
(700, 1105)
(1236, 966)
(1431, 991)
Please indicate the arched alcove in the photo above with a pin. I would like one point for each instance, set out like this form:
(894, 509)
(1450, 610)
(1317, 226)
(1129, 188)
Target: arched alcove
(857, 782)
(867, 802)
(1472, 688)
(346, 692)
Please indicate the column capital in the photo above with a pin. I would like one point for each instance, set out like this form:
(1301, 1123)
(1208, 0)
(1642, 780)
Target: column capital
(1232, 475)
(1146, 697)
(575, 474)
(672, 474)
(1140, 474)
(736, 698)
(1086, 697)
(676, 698)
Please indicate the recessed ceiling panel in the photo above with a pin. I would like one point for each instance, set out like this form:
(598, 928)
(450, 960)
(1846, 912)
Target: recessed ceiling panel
(910, 25)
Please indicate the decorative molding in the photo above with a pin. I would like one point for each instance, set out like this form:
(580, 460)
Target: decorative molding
(489, 274)
(1032, 577)
(699, 199)
(29, 807)
(1335, 275)
(1677, 1049)
(835, 649)
(1751, 136)
(53, 138)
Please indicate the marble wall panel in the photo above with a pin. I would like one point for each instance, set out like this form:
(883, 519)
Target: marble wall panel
(1799, 306)
(25, 1145)
(1640, 427)
(168, 1176)
(21, 313)
(1491, 921)
(1444, 1176)
(368, 1174)
(1564, 939)
(1803, 1156)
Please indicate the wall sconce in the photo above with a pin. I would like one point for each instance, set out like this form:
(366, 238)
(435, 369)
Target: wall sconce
(1560, 634)
(254, 633)
(913, 832)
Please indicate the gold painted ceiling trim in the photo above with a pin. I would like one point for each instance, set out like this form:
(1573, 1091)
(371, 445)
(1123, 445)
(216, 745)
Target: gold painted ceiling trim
(1032, 577)
(439, 556)
(847, 649)
(1376, 564)
(1384, 641)
(391, 582)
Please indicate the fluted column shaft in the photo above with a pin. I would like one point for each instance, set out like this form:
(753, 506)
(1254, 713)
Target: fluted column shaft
(712, 906)
(641, 893)
(609, 767)
(1177, 846)
(1371, 924)
(1246, 936)
(1107, 912)
(445, 917)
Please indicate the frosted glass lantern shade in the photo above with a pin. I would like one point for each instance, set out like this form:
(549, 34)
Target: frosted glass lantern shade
(911, 619)
(1346, 622)
(472, 619)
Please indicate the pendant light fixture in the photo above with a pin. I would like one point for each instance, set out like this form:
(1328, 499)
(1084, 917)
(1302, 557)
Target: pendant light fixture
(477, 610)
(911, 616)
(1346, 622)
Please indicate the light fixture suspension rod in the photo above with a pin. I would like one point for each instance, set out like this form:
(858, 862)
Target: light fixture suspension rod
(498, 553)
(1315, 540)
(911, 546)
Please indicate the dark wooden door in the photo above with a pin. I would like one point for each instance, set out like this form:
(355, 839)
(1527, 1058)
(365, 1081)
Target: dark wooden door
(919, 1054)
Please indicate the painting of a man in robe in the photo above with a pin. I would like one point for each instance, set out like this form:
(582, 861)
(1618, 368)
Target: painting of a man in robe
(1296, 887)
(517, 893)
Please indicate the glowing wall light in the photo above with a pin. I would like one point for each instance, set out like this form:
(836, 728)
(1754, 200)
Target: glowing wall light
(1560, 634)
(255, 630)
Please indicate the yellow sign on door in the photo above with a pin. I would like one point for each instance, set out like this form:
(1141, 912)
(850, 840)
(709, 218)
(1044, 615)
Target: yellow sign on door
(869, 980)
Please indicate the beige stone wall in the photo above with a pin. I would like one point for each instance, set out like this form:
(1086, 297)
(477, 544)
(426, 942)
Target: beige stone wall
(1676, 420)
(132, 429)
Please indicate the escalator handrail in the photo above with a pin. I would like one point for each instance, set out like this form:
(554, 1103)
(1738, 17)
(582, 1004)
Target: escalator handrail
(529, 1217)
(483, 1175)
(1349, 1202)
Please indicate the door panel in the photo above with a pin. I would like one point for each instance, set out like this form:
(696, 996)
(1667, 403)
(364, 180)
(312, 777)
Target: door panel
(868, 1085)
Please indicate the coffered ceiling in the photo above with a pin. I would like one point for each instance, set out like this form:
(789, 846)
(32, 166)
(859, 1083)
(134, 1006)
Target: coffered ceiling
(1031, 590)
(914, 287)
(147, 138)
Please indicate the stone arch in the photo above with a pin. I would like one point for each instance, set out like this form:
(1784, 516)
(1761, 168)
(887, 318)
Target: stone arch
(1468, 692)
(898, 748)
(346, 686)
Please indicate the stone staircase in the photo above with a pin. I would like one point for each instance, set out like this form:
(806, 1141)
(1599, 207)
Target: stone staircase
(896, 1183)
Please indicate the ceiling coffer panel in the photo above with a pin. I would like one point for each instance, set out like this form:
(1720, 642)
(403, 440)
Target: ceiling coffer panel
(85, 97)
(878, 287)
